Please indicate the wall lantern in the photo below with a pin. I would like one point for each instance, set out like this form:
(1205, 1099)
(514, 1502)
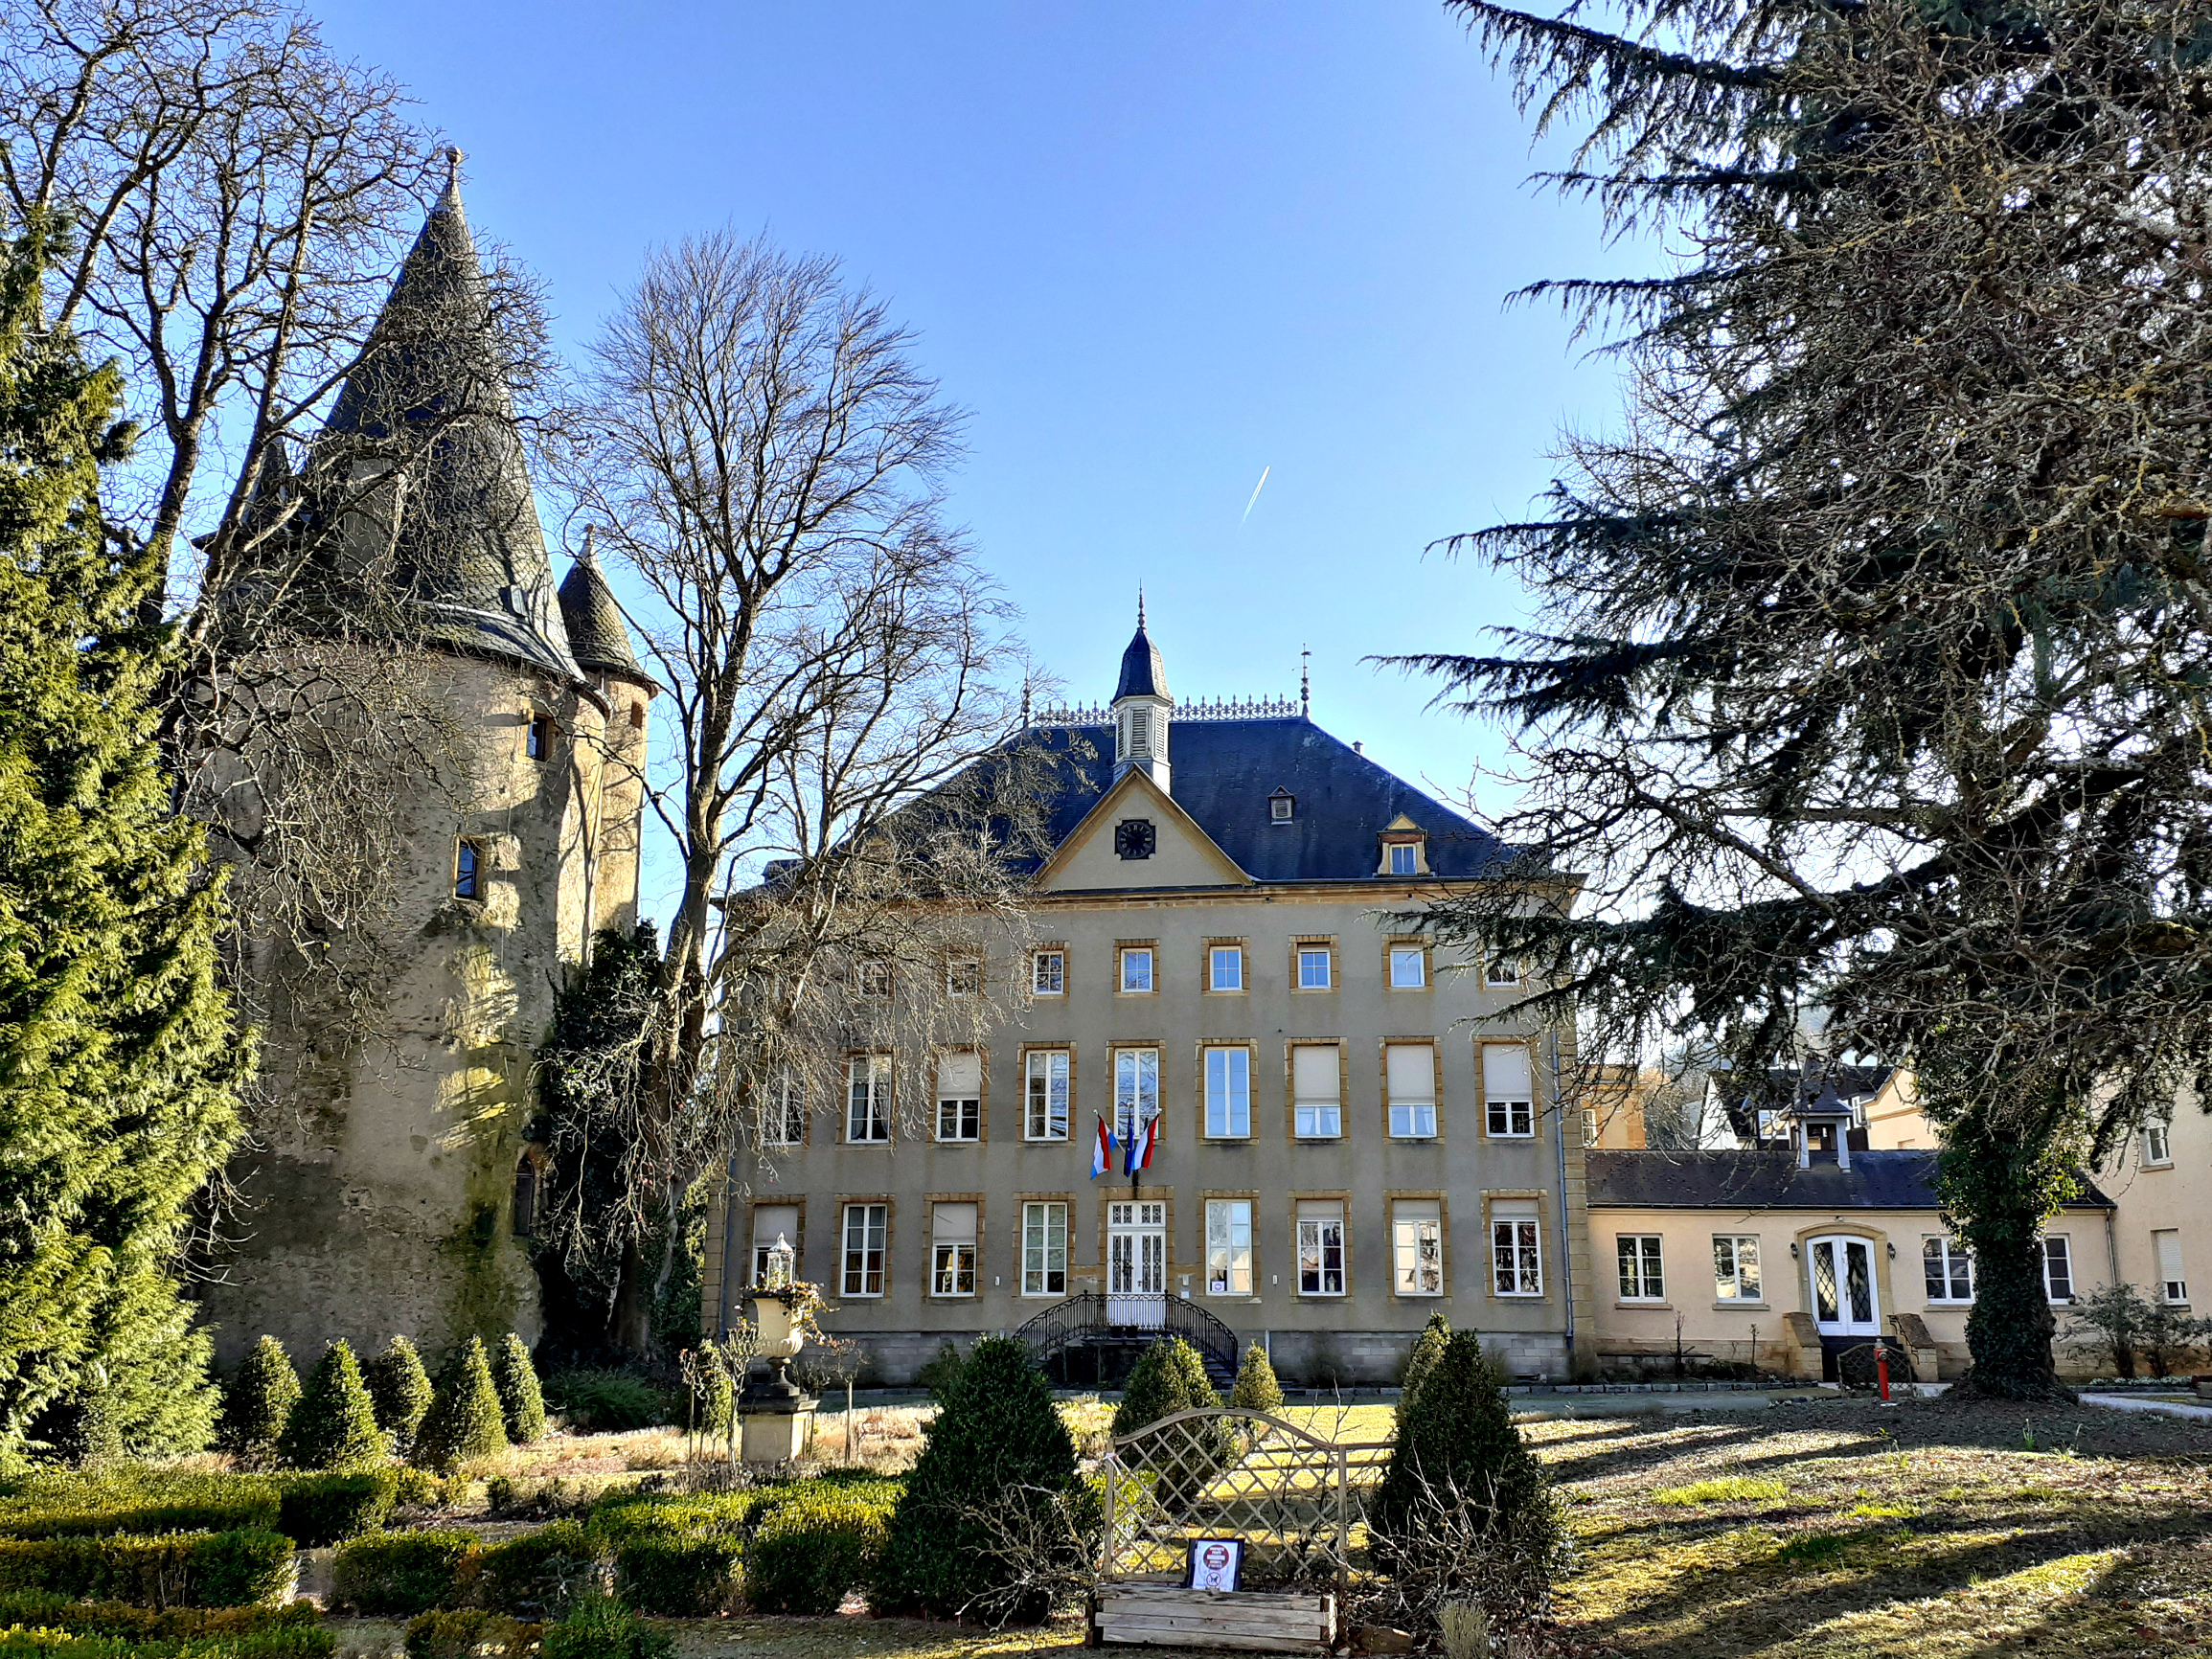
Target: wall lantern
(781, 1260)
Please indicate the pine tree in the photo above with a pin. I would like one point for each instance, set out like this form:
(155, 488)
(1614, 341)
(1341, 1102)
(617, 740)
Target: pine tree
(333, 1423)
(1169, 1377)
(997, 1444)
(521, 1402)
(1257, 1389)
(401, 1389)
(119, 1062)
(257, 1401)
(1428, 1350)
(464, 1421)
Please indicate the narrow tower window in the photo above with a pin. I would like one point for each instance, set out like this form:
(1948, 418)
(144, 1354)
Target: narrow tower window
(526, 1198)
(538, 738)
(469, 870)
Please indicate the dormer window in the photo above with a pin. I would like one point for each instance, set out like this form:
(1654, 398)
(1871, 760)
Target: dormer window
(1404, 849)
(1403, 858)
(1282, 807)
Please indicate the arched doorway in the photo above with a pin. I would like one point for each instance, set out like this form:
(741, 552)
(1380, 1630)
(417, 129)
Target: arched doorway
(1846, 1300)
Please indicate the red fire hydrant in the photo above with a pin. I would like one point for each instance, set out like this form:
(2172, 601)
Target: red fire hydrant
(1881, 1367)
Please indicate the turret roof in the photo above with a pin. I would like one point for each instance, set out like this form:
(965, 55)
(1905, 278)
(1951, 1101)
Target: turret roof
(596, 632)
(1144, 675)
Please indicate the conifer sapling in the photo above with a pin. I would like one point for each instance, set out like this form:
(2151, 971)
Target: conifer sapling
(400, 1389)
(521, 1402)
(464, 1421)
(257, 1401)
(1257, 1389)
(333, 1423)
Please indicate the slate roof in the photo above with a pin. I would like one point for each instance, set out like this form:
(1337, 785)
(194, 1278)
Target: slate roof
(1223, 773)
(1143, 671)
(597, 635)
(1772, 1180)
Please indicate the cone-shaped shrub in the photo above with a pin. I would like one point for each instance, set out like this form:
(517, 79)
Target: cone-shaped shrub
(400, 1389)
(1456, 1440)
(333, 1425)
(259, 1399)
(1167, 1378)
(464, 1421)
(997, 1444)
(1428, 1350)
(521, 1402)
(1257, 1389)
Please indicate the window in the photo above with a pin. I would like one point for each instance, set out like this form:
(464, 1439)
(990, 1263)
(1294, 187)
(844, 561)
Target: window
(2058, 1269)
(1140, 723)
(1501, 972)
(963, 976)
(1136, 1090)
(784, 1119)
(960, 1096)
(1282, 807)
(1136, 971)
(2173, 1283)
(1948, 1268)
(868, 1098)
(469, 870)
(1229, 1246)
(2158, 1144)
(1589, 1126)
(1409, 1072)
(1320, 1247)
(1403, 858)
(525, 1198)
(1046, 1115)
(637, 715)
(1314, 968)
(1417, 1246)
(1225, 967)
(1409, 967)
(1229, 1094)
(1316, 1099)
(865, 1227)
(1735, 1267)
(872, 978)
(1641, 1280)
(1516, 1247)
(952, 1249)
(771, 1222)
(1044, 1249)
(537, 738)
(1048, 973)
(1508, 1099)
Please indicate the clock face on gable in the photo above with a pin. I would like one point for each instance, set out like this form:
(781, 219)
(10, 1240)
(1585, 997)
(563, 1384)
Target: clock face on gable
(1135, 838)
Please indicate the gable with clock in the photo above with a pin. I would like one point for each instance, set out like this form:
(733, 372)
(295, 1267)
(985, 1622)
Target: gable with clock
(1136, 838)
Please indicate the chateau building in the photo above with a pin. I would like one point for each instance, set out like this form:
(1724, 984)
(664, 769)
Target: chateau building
(1340, 1145)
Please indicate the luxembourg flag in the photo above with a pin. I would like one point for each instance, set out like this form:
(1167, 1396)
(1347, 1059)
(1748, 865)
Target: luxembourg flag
(1140, 1147)
(1102, 1157)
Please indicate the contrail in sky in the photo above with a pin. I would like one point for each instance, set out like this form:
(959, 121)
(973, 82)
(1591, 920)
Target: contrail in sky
(1256, 488)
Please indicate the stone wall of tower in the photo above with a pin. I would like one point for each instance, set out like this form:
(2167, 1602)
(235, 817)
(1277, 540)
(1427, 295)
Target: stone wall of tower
(379, 1198)
(611, 827)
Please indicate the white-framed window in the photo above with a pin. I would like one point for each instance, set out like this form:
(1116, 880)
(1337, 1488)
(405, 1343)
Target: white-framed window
(783, 1114)
(1137, 969)
(1320, 1247)
(1509, 1108)
(872, 978)
(868, 1099)
(1044, 1249)
(1045, 1116)
(1417, 1246)
(1409, 967)
(1316, 1092)
(1404, 858)
(2173, 1282)
(866, 1227)
(963, 976)
(2158, 1144)
(952, 1230)
(1500, 972)
(1136, 1089)
(1229, 1094)
(1642, 1279)
(1589, 1126)
(1228, 1246)
(1947, 1267)
(1409, 1074)
(2058, 1269)
(960, 1096)
(771, 1222)
(1225, 967)
(1048, 973)
(1282, 804)
(1314, 968)
(1516, 1247)
(1735, 1267)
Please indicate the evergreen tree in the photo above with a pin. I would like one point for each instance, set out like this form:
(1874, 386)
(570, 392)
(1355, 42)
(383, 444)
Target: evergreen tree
(119, 1062)
(521, 1402)
(333, 1422)
(1428, 1350)
(1257, 1389)
(257, 1401)
(400, 1389)
(997, 1444)
(1456, 1439)
(1864, 673)
(464, 1421)
(1169, 1377)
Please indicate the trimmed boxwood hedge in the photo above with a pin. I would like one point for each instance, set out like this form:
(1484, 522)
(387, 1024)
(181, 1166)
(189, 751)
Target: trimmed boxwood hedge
(811, 1551)
(231, 1569)
(318, 1510)
(539, 1573)
(679, 1578)
(404, 1573)
(467, 1632)
(286, 1641)
(38, 1611)
(62, 1505)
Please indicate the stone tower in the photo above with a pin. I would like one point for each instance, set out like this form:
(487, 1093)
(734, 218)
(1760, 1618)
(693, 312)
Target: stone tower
(391, 1188)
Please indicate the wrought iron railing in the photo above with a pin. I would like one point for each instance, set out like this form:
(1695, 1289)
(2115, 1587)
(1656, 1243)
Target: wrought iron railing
(1092, 1314)
(1196, 709)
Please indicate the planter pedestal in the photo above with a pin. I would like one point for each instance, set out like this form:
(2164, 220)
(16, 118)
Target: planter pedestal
(776, 1415)
(773, 1437)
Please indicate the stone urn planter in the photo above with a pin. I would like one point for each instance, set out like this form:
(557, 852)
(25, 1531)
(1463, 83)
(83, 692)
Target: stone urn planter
(776, 1414)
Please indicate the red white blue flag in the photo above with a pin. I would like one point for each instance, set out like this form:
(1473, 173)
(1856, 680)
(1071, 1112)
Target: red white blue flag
(1140, 1147)
(1101, 1158)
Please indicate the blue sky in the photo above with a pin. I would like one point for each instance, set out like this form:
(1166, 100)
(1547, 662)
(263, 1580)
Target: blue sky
(1153, 249)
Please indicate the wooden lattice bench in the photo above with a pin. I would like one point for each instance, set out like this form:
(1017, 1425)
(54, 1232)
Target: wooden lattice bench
(1169, 1616)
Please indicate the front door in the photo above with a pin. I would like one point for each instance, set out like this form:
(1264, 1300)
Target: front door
(1844, 1302)
(1137, 1263)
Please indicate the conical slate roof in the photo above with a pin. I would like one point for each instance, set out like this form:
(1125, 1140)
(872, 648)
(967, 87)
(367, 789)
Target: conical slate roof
(596, 633)
(467, 545)
(1144, 675)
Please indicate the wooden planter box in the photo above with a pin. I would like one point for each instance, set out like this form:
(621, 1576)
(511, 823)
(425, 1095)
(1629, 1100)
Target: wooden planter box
(1169, 1616)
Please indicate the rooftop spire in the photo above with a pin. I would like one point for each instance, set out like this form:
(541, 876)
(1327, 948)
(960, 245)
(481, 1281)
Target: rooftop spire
(593, 620)
(1144, 675)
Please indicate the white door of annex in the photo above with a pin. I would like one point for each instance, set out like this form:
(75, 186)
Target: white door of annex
(1844, 1298)
(1137, 1263)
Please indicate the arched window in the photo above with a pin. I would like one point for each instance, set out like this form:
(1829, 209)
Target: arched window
(525, 1198)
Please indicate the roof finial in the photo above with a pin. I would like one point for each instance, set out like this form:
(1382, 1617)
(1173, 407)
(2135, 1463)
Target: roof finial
(1140, 608)
(1305, 684)
(588, 531)
(1025, 702)
(452, 169)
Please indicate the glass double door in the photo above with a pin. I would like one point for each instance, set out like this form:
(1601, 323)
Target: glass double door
(1137, 1263)
(1845, 1302)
